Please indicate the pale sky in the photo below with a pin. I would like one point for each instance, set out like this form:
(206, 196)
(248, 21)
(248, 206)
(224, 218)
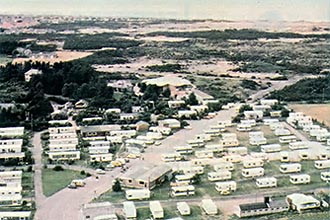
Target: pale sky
(292, 10)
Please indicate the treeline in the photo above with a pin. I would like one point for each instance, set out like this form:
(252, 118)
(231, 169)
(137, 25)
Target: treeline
(9, 47)
(242, 34)
(309, 90)
(98, 41)
(175, 68)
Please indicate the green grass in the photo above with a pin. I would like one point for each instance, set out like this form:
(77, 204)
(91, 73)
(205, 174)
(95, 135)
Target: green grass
(53, 181)
(110, 196)
(143, 213)
(27, 184)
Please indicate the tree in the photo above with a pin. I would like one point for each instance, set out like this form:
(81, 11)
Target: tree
(192, 99)
(167, 92)
(116, 187)
(244, 108)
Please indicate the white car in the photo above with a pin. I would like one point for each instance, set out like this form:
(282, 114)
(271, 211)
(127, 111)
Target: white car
(157, 143)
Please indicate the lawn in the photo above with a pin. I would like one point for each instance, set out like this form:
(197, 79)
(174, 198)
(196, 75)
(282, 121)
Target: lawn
(53, 181)
(27, 184)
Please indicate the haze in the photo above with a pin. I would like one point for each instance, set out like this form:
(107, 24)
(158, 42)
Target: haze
(291, 10)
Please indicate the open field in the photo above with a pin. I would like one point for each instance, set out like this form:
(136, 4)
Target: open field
(53, 181)
(61, 56)
(320, 112)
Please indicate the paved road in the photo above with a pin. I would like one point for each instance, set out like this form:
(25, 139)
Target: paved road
(37, 152)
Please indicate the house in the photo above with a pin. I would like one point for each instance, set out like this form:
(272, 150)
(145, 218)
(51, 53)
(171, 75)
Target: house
(176, 104)
(226, 185)
(266, 207)
(156, 209)
(290, 168)
(145, 176)
(32, 72)
(186, 113)
(169, 123)
(219, 175)
(209, 207)
(253, 162)
(301, 202)
(322, 164)
(11, 132)
(270, 148)
(142, 126)
(98, 130)
(253, 172)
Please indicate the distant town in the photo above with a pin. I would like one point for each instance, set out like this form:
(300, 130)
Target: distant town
(135, 118)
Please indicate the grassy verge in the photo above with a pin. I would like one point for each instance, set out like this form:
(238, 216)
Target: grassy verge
(27, 184)
(53, 181)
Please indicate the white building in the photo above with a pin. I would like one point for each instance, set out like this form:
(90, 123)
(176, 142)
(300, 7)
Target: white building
(183, 208)
(11, 132)
(301, 202)
(300, 179)
(129, 210)
(169, 123)
(28, 75)
(209, 207)
(266, 182)
(156, 209)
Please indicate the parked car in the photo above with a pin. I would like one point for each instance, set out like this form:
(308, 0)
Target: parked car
(100, 171)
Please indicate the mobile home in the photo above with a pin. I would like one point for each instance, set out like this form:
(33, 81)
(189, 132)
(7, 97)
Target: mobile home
(223, 166)
(256, 134)
(226, 123)
(290, 168)
(270, 148)
(227, 185)
(188, 190)
(253, 172)
(184, 149)
(216, 148)
(269, 121)
(229, 143)
(258, 141)
(250, 122)
(137, 194)
(184, 179)
(238, 150)
(201, 161)
(171, 157)
(183, 208)
(322, 164)
(212, 132)
(266, 182)
(255, 162)
(156, 210)
(209, 207)
(204, 137)
(244, 127)
(196, 143)
(284, 156)
(287, 139)
(282, 132)
(219, 127)
(234, 158)
(274, 126)
(193, 170)
(129, 210)
(298, 145)
(300, 179)
(219, 175)
(304, 155)
(204, 154)
(325, 176)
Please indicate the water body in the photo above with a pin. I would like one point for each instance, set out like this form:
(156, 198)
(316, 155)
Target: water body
(292, 10)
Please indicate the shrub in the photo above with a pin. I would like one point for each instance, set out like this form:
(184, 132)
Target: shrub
(58, 168)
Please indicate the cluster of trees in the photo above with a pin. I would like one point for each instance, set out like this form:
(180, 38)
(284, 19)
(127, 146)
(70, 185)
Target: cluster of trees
(249, 84)
(242, 34)
(175, 68)
(309, 90)
(98, 41)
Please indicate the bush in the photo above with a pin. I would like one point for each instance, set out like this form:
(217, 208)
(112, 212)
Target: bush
(83, 172)
(116, 186)
(58, 168)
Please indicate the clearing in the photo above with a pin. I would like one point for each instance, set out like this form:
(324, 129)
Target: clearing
(320, 112)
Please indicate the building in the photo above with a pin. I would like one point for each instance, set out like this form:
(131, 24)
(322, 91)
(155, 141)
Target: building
(121, 85)
(183, 208)
(142, 126)
(262, 208)
(81, 104)
(10, 188)
(137, 194)
(199, 108)
(129, 210)
(253, 114)
(186, 113)
(11, 132)
(301, 202)
(145, 176)
(98, 130)
(176, 104)
(32, 72)
(19, 215)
